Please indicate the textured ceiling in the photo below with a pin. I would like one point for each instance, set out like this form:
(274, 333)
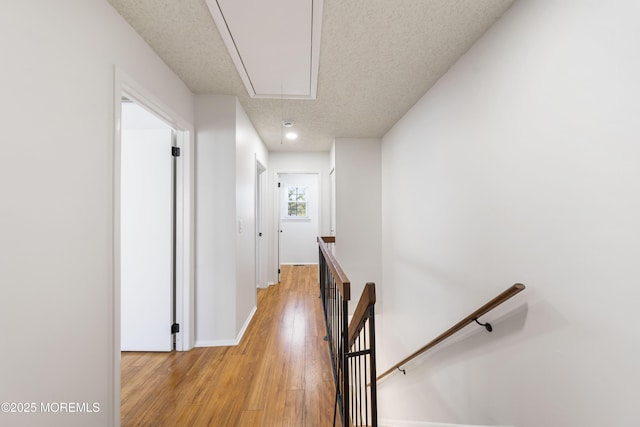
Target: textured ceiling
(377, 58)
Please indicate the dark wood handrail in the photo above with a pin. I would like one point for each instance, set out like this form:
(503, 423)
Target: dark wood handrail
(510, 292)
(342, 281)
(328, 239)
(367, 298)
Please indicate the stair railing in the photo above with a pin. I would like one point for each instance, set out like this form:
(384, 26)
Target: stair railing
(363, 409)
(351, 345)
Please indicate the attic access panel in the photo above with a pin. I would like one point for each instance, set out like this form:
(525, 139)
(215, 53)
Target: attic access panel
(275, 45)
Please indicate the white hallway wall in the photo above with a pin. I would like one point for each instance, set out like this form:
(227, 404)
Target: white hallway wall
(249, 148)
(215, 227)
(227, 146)
(521, 164)
(358, 213)
(57, 228)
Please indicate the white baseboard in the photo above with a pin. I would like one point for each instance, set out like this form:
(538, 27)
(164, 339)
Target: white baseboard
(399, 423)
(298, 263)
(246, 324)
(268, 285)
(228, 342)
(216, 343)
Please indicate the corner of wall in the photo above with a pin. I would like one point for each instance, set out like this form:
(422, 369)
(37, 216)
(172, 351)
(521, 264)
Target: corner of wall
(215, 218)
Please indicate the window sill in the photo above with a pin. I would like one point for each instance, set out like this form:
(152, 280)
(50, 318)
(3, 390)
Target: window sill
(296, 219)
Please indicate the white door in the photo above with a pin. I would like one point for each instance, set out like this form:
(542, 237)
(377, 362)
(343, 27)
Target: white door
(299, 222)
(260, 238)
(332, 199)
(146, 240)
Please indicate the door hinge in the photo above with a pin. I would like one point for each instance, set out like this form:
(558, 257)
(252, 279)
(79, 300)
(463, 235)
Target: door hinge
(278, 271)
(278, 185)
(175, 151)
(259, 234)
(175, 328)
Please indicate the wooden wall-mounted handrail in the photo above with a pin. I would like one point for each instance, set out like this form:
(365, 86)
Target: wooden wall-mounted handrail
(342, 281)
(367, 298)
(510, 292)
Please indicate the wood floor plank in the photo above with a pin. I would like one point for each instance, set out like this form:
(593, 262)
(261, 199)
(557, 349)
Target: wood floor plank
(279, 374)
(251, 418)
(294, 408)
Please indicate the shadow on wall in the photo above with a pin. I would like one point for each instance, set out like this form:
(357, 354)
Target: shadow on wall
(474, 340)
(471, 358)
(423, 374)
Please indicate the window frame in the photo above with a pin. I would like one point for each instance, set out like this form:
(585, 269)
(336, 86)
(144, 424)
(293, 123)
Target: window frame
(297, 194)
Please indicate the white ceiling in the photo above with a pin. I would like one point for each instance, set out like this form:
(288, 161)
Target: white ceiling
(377, 58)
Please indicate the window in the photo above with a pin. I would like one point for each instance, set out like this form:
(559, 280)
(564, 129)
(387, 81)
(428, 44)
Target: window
(297, 202)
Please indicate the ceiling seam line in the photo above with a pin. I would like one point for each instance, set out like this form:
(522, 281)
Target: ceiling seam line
(246, 72)
(311, 57)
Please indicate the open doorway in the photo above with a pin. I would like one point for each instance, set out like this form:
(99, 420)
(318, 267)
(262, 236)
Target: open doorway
(181, 233)
(298, 218)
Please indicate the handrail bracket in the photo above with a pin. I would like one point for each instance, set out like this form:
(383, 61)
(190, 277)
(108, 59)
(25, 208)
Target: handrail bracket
(487, 325)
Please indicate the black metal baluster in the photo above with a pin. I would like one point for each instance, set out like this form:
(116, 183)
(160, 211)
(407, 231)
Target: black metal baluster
(359, 380)
(367, 361)
(372, 358)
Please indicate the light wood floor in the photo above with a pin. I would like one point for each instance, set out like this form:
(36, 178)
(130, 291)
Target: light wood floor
(279, 375)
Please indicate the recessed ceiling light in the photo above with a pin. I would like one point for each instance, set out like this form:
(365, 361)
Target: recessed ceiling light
(288, 123)
(291, 135)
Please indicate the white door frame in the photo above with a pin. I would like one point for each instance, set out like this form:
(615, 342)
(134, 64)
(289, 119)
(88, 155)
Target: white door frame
(260, 261)
(332, 202)
(124, 85)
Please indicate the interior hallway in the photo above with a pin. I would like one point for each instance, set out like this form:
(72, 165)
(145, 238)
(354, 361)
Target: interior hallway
(279, 375)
